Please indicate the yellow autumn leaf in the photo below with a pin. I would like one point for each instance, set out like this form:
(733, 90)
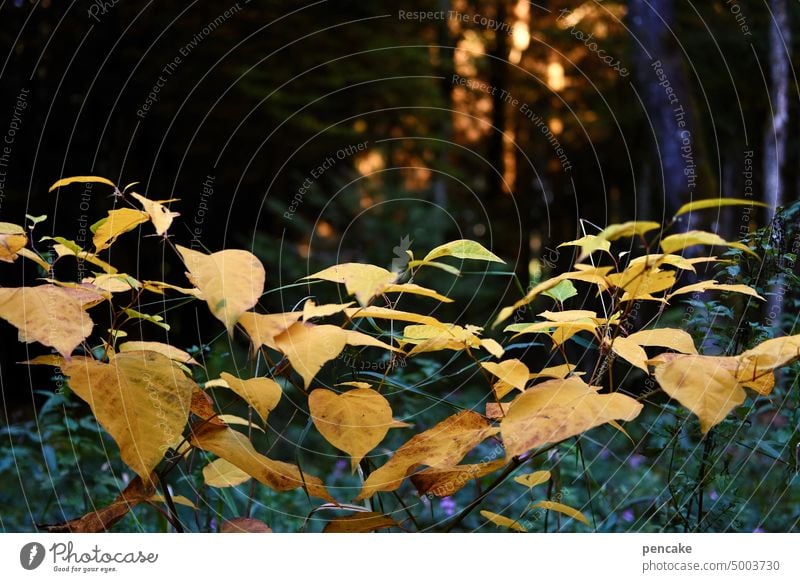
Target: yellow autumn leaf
(113, 283)
(502, 521)
(364, 281)
(767, 357)
(510, 373)
(414, 289)
(309, 347)
(447, 481)
(493, 347)
(706, 385)
(311, 309)
(231, 281)
(48, 314)
(171, 352)
(531, 480)
(64, 248)
(630, 351)
(264, 328)
(716, 203)
(559, 371)
(587, 274)
(354, 422)
(84, 179)
(441, 446)
(12, 239)
(237, 449)
(393, 315)
(117, 222)
(462, 249)
(141, 398)
(160, 215)
(588, 245)
(262, 394)
(559, 331)
(666, 337)
(222, 473)
(560, 508)
(712, 285)
(558, 409)
(176, 499)
(628, 229)
(678, 242)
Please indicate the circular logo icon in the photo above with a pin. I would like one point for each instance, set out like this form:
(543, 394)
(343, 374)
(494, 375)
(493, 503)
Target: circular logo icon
(31, 555)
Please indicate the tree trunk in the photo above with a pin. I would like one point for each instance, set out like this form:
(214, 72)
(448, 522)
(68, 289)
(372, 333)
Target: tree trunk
(775, 136)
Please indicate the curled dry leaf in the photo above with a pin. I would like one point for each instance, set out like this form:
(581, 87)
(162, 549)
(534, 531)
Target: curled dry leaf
(237, 449)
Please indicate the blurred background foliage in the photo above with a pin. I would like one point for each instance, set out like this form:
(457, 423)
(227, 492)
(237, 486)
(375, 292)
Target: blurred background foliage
(316, 133)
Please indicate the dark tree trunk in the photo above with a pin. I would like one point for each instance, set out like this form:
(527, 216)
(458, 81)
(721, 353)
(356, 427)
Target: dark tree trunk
(665, 92)
(776, 134)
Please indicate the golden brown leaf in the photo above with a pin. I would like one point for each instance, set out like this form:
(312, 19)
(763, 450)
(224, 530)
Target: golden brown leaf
(103, 519)
(561, 508)
(171, 352)
(141, 398)
(244, 525)
(445, 482)
(309, 347)
(264, 328)
(706, 385)
(502, 521)
(12, 239)
(558, 409)
(441, 446)
(235, 448)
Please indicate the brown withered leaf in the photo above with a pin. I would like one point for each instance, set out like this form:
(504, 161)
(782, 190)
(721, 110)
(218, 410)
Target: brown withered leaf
(103, 519)
(445, 482)
(244, 525)
(361, 522)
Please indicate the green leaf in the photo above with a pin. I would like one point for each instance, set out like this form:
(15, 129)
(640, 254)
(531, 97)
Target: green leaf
(561, 292)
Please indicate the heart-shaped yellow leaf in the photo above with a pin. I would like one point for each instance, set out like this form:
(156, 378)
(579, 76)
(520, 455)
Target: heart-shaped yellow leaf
(117, 222)
(263, 394)
(354, 422)
(362, 280)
